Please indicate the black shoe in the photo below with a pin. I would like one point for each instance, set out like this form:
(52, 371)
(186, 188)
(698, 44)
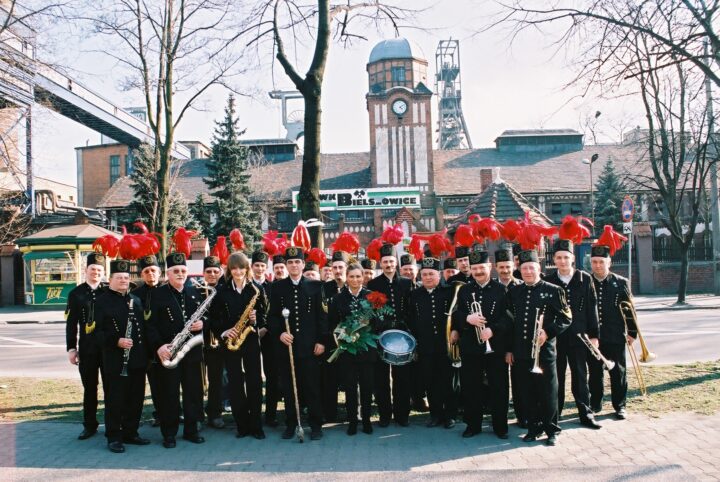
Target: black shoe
(384, 422)
(449, 423)
(194, 438)
(367, 427)
(402, 423)
(621, 414)
(288, 433)
(530, 437)
(502, 436)
(551, 440)
(259, 434)
(116, 447)
(169, 442)
(433, 422)
(352, 428)
(216, 422)
(271, 422)
(316, 434)
(136, 440)
(470, 432)
(590, 422)
(86, 434)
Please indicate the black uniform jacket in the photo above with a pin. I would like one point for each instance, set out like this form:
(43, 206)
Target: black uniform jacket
(329, 290)
(427, 319)
(494, 307)
(79, 318)
(228, 306)
(612, 293)
(580, 295)
(167, 317)
(398, 293)
(460, 276)
(112, 314)
(526, 304)
(340, 308)
(308, 321)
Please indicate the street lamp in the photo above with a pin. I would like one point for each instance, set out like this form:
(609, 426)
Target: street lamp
(590, 162)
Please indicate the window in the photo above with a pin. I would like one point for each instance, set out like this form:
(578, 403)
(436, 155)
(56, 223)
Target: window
(556, 209)
(576, 208)
(128, 165)
(398, 74)
(114, 169)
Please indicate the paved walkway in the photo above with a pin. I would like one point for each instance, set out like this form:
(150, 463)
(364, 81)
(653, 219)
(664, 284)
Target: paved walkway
(678, 447)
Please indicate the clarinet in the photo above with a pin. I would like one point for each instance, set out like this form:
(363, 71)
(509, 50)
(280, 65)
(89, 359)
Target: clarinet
(128, 334)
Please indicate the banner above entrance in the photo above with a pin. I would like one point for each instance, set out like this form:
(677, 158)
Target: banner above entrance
(366, 198)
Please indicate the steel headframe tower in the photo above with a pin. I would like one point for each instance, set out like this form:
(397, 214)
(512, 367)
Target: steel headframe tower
(453, 130)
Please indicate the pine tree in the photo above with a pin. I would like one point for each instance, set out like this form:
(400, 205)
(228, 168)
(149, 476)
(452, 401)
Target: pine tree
(229, 181)
(201, 222)
(609, 193)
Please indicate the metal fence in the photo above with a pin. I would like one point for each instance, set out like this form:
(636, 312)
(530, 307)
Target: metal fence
(666, 250)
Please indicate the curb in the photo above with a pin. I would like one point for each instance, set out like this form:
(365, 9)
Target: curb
(678, 308)
(31, 322)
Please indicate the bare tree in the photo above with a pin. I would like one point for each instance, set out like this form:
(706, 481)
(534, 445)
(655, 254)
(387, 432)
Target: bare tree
(173, 52)
(321, 22)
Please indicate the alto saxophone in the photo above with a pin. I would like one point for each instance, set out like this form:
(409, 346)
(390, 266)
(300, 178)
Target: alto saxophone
(243, 326)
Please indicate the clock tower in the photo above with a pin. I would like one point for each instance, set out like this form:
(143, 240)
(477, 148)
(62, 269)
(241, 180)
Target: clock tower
(398, 103)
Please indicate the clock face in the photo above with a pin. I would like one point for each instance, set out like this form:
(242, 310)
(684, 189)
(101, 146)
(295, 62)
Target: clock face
(399, 107)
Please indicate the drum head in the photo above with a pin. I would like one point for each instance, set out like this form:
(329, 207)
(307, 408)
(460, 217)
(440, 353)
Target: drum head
(397, 342)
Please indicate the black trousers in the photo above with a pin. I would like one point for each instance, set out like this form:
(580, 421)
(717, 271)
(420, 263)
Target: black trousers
(269, 347)
(435, 370)
(214, 366)
(187, 374)
(399, 405)
(329, 390)
(519, 405)
(577, 358)
(152, 382)
(618, 376)
(307, 373)
(540, 392)
(124, 397)
(417, 384)
(245, 384)
(473, 368)
(358, 375)
(90, 366)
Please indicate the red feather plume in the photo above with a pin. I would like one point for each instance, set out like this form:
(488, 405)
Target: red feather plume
(415, 247)
(531, 234)
(237, 240)
(393, 234)
(347, 242)
(437, 244)
(182, 241)
(373, 249)
(301, 236)
(464, 235)
(572, 229)
(109, 245)
(317, 256)
(511, 229)
(270, 245)
(611, 238)
(221, 250)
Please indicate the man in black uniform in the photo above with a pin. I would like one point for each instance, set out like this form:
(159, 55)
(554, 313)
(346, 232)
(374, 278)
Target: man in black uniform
(121, 334)
(580, 296)
(279, 267)
(172, 306)
(449, 268)
(308, 335)
(462, 261)
(528, 302)
(83, 350)
(268, 344)
(613, 291)
(397, 290)
(150, 273)
(427, 308)
(212, 274)
(409, 270)
(478, 328)
(330, 376)
(369, 266)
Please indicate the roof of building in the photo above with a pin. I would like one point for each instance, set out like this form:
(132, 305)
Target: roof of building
(75, 233)
(539, 132)
(500, 201)
(396, 48)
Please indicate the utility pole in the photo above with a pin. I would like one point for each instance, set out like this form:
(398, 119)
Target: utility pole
(714, 206)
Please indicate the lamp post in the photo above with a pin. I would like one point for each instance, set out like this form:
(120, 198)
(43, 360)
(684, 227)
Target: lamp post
(590, 162)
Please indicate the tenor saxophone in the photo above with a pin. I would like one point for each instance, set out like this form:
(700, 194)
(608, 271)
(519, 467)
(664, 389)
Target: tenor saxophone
(185, 340)
(243, 326)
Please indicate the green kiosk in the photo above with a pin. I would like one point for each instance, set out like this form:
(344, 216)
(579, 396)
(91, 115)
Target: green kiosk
(55, 261)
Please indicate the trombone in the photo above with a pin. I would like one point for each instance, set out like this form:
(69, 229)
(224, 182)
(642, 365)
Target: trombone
(453, 349)
(476, 309)
(627, 310)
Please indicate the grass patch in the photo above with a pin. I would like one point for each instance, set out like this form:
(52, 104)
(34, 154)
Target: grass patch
(671, 388)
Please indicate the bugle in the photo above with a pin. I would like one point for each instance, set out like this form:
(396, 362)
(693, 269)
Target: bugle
(595, 351)
(535, 352)
(476, 309)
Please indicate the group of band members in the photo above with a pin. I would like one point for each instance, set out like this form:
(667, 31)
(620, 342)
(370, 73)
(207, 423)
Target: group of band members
(125, 336)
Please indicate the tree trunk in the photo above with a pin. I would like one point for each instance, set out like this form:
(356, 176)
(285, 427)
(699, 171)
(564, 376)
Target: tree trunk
(682, 286)
(163, 181)
(309, 196)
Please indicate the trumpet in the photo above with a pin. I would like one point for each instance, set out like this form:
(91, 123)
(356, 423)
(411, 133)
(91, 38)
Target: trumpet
(476, 309)
(535, 353)
(595, 351)
(453, 349)
(627, 310)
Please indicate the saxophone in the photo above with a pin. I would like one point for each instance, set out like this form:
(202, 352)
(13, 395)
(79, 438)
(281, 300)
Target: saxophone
(185, 340)
(243, 326)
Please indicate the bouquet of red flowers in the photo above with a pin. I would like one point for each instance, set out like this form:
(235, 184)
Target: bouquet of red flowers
(354, 334)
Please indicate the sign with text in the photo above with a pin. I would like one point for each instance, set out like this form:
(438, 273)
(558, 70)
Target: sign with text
(366, 198)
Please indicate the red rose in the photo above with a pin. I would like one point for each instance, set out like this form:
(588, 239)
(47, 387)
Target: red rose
(377, 299)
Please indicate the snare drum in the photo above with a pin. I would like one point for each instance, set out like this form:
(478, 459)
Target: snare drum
(396, 347)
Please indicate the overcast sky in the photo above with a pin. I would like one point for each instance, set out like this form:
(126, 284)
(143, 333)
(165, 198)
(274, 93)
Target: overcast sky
(505, 86)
